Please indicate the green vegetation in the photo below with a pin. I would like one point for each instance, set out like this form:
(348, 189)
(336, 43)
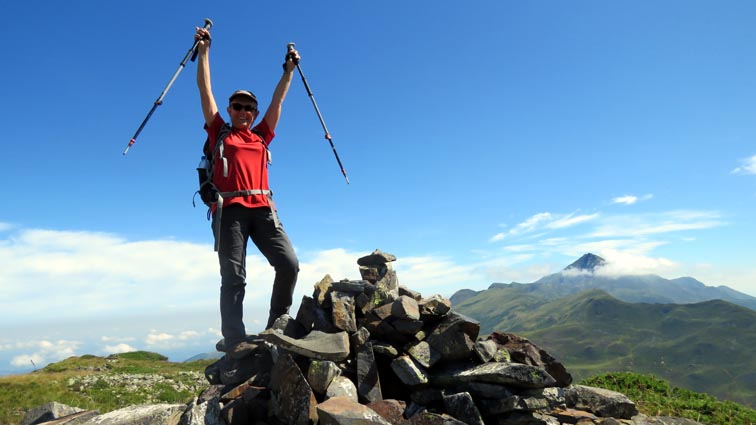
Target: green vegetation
(655, 397)
(144, 355)
(104, 384)
(704, 347)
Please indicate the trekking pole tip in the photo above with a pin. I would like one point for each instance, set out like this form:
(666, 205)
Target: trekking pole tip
(131, 143)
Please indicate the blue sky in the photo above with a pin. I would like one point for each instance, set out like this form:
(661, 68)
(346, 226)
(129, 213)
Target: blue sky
(492, 141)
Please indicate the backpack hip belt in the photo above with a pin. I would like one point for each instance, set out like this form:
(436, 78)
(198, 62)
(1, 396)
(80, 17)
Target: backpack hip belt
(234, 194)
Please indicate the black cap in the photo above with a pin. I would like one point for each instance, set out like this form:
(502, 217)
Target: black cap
(245, 93)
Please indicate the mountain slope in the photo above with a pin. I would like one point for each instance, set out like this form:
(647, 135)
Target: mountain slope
(643, 288)
(704, 346)
(586, 273)
(462, 295)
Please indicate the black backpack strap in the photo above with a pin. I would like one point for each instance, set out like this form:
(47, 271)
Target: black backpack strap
(218, 152)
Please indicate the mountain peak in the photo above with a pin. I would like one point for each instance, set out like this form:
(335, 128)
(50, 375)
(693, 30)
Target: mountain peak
(588, 262)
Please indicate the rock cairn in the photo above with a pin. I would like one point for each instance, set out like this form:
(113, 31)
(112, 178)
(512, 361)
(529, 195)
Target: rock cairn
(374, 352)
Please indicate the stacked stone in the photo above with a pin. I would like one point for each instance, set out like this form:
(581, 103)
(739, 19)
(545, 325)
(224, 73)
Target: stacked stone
(374, 352)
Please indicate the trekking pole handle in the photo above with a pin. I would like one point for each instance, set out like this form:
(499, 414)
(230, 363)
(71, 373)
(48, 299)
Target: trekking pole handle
(208, 25)
(290, 48)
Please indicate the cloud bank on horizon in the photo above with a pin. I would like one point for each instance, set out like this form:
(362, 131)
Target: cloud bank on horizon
(50, 277)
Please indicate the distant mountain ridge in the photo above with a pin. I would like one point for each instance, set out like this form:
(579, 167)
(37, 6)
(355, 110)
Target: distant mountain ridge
(213, 355)
(695, 336)
(629, 288)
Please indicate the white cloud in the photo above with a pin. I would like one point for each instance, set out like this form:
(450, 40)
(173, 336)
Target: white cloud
(630, 199)
(544, 221)
(532, 223)
(627, 200)
(748, 166)
(512, 268)
(25, 360)
(339, 263)
(628, 241)
(497, 237)
(158, 338)
(740, 278)
(117, 339)
(162, 341)
(118, 348)
(635, 263)
(427, 274)
(102, 275)
(554, 241)
(628, 256)
(436, 275)
(657, 223)
(520, 248)
(43, 352)
(639, 234)
(188, 335)
(571, 220)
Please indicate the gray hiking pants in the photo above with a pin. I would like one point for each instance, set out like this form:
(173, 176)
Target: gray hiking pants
(238, 225)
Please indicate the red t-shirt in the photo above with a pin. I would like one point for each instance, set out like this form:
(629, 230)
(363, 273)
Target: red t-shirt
(246, 156)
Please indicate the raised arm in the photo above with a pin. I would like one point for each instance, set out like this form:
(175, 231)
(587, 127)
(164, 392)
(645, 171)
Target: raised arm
(273, 113)
(209, 108)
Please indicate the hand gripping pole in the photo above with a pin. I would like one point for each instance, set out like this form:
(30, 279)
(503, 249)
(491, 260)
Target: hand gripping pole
(290, 47)
(191, 53)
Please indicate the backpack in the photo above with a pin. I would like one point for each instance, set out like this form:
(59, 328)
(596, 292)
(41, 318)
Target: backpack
(207, 191)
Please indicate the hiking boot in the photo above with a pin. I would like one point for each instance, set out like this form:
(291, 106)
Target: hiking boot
(241, 350)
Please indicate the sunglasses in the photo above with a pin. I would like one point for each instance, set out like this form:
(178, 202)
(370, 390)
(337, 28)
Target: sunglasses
(238, 107)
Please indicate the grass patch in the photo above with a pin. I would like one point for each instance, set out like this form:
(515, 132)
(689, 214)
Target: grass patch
(105, 384)
(141, 355)
(655, 397)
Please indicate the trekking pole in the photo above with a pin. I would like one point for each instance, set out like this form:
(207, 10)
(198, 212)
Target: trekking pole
(193, 53)
(290, 47)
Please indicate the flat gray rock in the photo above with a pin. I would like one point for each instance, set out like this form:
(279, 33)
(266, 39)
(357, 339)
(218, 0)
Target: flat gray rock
(154, 414)
(514, 374)
(376, 258)
(315, 345)
(343, 411)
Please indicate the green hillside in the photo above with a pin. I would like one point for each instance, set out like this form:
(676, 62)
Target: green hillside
(102, 383)
(705, 347)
